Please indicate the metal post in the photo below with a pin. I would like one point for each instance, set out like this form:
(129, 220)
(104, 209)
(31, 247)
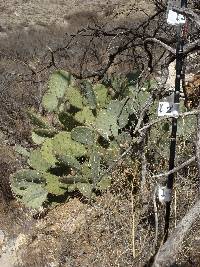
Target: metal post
(179, 66)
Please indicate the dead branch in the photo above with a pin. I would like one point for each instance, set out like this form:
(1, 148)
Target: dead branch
(187, 48)
(180, 115)
(184, 164)
(166, 256)
(156, 220)
(164, 45)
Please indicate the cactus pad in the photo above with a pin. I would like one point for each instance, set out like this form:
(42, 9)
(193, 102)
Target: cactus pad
(85, 189)
(101, 93)
(83, 135)
(74, 97)
(37, 119)
(27, 185)
(64, 145)
(106, 124)
(50, 102)
(105, 183)
(70, 161)
(34, 196)
(95, 166)
(89, 95)
(85, 116)
(68, 121)
(58, 83)
(53, 186)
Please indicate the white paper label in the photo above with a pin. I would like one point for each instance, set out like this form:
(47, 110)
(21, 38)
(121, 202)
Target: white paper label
(174, 18)
(168, 109)
(164, 194)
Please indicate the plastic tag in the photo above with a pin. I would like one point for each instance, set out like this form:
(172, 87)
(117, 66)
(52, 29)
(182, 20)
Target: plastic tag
(168, 109)
(164, 194)
(174, 18)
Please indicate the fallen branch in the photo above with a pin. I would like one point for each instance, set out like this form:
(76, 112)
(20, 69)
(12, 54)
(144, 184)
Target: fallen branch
(166, 255)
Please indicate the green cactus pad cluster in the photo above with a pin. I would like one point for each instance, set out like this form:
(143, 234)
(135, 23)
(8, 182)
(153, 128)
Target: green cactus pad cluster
(73, 153)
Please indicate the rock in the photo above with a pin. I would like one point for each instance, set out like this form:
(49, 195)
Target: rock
(2, 237)
(11, 255)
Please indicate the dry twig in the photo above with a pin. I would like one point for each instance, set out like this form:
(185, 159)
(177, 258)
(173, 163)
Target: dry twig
(176, 169)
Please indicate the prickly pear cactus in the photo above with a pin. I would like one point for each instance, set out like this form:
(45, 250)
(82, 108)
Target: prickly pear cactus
(102, 95)
(57, 86)
(74, 97)
(85, 116)
(89, 95)
(75, 146)
(83, 135)
(62, 144)
(28, 187)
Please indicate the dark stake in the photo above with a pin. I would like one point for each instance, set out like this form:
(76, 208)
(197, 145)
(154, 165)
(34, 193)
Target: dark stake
(179, 76)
